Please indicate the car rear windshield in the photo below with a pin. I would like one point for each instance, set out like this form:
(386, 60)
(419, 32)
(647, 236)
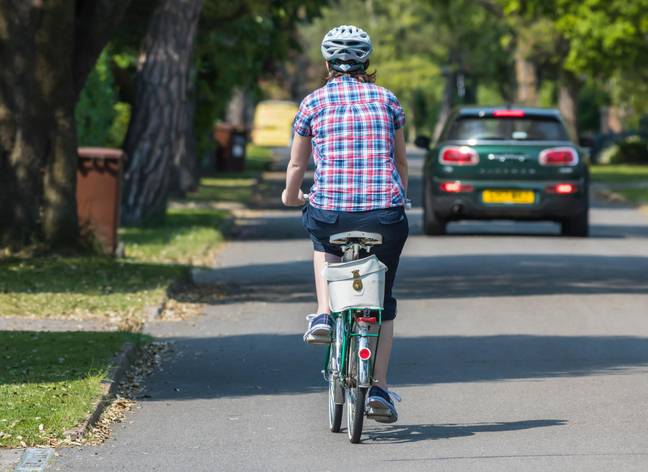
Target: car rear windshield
(519, 129)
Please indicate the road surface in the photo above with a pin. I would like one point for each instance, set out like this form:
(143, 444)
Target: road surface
(516, 349)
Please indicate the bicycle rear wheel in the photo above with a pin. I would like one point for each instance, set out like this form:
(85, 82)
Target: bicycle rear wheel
(355, 398)
(335, 409)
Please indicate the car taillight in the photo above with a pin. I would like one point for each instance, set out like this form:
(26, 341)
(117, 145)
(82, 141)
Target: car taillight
(562, 189)
(455, 187)
(563, 156)
(508, 113)
(458, 156)
(364, 353)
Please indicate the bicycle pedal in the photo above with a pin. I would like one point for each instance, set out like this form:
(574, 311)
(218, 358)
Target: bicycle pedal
(312, 339)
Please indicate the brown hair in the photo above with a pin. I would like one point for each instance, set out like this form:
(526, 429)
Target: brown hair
(360, 75)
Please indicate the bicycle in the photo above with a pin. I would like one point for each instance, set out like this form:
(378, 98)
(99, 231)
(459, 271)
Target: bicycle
(349, 360)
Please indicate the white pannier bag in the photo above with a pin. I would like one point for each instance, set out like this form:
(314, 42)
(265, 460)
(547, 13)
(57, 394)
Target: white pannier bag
(356, 284)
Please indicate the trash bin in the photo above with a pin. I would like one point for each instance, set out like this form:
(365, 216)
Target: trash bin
(230, 147)
(98, 194)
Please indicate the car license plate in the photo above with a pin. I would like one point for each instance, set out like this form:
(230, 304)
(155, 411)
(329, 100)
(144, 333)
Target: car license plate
(515, 197)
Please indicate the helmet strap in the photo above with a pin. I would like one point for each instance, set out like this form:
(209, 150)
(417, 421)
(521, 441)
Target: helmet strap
(347, 67)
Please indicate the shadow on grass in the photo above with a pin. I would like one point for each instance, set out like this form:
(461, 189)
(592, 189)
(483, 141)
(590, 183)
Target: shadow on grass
(84, 275)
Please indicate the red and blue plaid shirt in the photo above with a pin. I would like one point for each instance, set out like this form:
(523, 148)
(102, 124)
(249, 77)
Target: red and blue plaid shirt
(352, 127)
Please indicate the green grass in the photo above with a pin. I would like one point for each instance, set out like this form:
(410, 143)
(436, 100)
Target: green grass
(635, 195)
(186, 236)
(222, 189)
(98, 286)
(235, 187)
(156, 255)
(619, 173)
(48, 381)
(81, 287)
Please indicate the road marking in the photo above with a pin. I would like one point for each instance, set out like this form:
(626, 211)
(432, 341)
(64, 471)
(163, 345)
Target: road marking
(34, 459)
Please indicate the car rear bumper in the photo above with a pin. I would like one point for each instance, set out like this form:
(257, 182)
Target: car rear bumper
(470, 205)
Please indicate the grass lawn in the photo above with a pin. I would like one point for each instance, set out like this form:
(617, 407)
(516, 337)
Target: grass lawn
(156, 255)
(619, 173)
(235, 187)
(635, 195)
(48, 381)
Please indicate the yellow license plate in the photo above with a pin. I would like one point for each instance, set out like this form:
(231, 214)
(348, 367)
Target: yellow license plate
(515, 197)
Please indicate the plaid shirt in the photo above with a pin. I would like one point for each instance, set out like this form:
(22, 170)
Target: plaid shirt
(352, 125)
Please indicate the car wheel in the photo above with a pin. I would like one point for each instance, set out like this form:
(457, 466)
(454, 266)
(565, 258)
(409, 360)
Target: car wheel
(577, 226)
(433, 224)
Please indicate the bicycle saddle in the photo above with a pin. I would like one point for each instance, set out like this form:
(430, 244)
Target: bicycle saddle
(360, 237)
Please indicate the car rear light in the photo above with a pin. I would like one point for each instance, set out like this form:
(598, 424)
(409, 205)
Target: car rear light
(562, 189)
(455, 187)
(458, 156)
(562, 156)
(364, 354)
(508, 113)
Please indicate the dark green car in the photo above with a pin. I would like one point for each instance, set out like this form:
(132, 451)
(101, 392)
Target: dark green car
(503, 163)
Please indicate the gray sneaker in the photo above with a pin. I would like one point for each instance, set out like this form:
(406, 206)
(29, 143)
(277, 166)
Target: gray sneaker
(320, 328)
(380, 405)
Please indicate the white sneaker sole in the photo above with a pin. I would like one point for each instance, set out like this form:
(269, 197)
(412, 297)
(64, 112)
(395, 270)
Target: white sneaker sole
(318, 335)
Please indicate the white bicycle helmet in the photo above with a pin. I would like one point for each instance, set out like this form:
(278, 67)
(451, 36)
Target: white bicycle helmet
(347, 48)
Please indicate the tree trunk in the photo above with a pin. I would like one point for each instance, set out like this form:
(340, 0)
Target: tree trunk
(156, 133)
(447, 103)
(46, 58)
(568, 89)
(185, 165)
(526, 80)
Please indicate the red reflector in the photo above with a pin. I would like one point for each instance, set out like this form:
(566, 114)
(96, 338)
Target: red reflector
(364, 353)
(563, 189)
(366, 319)
(458, 156)
(564, 156)
(508, 113)
(455, 187)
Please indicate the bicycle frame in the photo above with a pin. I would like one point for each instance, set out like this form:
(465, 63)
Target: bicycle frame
(340, 349)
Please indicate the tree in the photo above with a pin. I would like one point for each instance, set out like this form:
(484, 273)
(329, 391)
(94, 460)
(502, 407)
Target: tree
(47, 50)
(157, 132)
(432, 53)
(237, 43)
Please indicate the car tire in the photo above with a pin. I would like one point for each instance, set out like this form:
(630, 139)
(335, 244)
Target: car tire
(433, 224)
(577, 226)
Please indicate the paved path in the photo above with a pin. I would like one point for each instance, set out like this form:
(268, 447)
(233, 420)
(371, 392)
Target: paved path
(516, 350)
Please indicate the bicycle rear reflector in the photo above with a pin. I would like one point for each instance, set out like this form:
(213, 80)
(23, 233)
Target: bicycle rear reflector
(364, 354)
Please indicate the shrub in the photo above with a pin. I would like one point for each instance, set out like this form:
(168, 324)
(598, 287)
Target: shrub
(632, 150)
(101, 120)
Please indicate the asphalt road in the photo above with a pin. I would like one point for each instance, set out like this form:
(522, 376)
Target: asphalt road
(516, 350)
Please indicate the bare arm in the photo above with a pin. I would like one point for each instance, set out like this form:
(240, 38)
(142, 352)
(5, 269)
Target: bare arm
(401, 156)
(299, 155)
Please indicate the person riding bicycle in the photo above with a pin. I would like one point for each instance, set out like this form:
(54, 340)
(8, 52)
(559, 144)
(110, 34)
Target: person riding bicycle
(354, 130)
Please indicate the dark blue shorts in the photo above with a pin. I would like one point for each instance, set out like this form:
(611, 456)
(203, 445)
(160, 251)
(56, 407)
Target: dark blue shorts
(390, 222)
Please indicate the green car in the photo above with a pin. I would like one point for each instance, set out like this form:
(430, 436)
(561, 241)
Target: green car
(503, 163)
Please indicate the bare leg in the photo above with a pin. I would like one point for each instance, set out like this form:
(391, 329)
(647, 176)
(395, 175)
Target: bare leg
(319, 258)
(381, 363)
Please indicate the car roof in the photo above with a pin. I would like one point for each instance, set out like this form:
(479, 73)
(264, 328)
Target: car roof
(531, 111)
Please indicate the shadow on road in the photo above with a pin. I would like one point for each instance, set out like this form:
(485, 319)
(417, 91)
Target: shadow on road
(280, 364)
(409, 433)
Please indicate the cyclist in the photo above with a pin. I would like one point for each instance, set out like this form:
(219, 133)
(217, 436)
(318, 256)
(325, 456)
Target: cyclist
(354, 130)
